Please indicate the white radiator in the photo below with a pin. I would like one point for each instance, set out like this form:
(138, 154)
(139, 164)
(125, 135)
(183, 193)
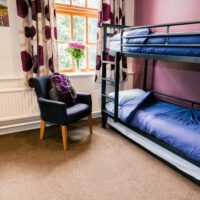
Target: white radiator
(18, 103)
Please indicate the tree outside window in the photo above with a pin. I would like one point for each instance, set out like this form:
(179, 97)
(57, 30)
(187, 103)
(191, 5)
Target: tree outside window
(77, 21)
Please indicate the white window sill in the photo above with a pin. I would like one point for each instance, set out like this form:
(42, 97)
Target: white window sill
(78, 74)
(91, 73)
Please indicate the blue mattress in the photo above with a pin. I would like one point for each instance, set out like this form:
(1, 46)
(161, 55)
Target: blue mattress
(174, 125)
(178, 51)
(173, 51)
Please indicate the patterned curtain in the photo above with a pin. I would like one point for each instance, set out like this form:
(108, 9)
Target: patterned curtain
(111, 12)
(38, 34)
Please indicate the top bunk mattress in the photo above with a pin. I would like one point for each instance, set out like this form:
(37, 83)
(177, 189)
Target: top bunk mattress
(174, 125)
(176, 51)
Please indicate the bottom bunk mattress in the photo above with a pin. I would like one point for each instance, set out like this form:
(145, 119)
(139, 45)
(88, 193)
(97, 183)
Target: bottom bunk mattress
(181, 164)
(174, 125)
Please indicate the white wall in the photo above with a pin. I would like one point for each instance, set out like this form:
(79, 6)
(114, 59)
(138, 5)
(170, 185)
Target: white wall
(10, 64)
(87, 84)
(11, 75)
(129, 7)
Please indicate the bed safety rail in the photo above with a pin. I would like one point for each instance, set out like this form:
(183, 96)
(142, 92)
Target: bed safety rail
(167, 35)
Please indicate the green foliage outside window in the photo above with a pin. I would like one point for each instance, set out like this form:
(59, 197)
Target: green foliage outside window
(79, 30)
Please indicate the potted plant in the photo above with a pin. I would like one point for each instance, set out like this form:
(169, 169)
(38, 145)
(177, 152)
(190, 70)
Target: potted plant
(76, 50)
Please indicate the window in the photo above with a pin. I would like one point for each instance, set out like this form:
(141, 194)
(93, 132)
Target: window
(77, 21)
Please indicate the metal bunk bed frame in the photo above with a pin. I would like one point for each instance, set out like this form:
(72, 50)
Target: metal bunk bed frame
(146, 57)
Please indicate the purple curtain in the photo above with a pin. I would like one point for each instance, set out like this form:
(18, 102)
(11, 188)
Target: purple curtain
(111, 12)
(38, 35)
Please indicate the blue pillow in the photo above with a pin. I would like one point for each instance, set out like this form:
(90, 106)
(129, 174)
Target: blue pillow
(129, 109)
(126, 95)
(138, 32)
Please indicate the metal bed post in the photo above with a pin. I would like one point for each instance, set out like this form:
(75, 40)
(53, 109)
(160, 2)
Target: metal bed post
(104, 38)
(103, 84)
(117, 80)
(145, 74)
(103, 91)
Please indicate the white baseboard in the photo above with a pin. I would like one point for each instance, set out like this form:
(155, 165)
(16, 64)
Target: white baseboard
(14, 128)
(29, 124)
(96, 115)
(18, 120)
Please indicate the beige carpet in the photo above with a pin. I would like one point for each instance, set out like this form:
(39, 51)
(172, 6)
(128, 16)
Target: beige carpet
(105, 166)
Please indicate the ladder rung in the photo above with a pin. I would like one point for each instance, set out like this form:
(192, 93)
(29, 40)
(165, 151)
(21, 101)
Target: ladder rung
(108, 62)
(109, 80)
(110, 34)
(108, 113)
(109, 97)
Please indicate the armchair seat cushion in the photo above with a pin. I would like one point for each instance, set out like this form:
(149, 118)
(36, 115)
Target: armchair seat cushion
(77, 111)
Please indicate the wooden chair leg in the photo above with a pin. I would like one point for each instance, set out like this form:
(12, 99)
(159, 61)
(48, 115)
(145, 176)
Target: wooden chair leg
(42, 128)
(64, 137)
(90, 123)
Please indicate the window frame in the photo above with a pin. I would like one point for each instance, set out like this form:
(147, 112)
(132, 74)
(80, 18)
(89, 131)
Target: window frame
(86, 12)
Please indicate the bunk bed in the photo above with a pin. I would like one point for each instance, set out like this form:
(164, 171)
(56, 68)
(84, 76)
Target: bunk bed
(152, 119)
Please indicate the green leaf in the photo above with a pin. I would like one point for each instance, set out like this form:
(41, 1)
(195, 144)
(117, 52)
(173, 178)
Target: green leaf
(75, 53)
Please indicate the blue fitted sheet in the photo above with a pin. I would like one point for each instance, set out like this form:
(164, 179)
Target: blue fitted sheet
(174, 125)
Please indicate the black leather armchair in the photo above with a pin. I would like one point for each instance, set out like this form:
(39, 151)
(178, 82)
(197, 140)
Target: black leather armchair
(57, 112)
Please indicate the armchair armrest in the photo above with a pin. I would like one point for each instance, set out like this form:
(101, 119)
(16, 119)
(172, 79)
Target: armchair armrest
(53, 111)
(84, 98)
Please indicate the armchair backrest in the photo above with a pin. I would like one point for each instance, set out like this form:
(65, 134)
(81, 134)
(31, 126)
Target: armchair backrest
(41, 85)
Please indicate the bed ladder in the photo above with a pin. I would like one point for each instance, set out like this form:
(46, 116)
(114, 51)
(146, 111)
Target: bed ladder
(115, 83)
